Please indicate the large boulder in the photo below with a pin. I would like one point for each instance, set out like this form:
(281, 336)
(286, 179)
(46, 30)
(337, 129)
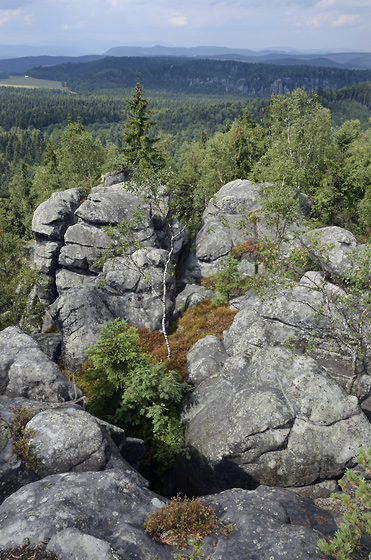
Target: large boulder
(224, 226)
(67, 439)
(25, 371)
(331, 248)
(265, 412)
(105, 512)
(79, 313)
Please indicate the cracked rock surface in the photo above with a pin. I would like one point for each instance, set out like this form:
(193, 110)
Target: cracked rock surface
(265, 414)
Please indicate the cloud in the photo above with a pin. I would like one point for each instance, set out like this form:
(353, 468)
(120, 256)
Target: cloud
(7, 15)
(178, 20)
(346, 19)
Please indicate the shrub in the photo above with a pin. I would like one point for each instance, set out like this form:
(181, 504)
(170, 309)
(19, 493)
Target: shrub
(357, 516)
(22, 435)
(182, 519)
(194, 324)
(124, 386)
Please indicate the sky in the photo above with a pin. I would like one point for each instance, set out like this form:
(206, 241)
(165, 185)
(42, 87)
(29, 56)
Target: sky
(93, 26)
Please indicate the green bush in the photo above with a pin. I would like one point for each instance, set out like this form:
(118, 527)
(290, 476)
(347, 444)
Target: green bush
(358, 512)
(141, 396)
(182, 519)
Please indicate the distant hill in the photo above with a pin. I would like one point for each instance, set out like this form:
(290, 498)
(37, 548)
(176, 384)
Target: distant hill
(207, 76)
(21, 65)
(329, 59)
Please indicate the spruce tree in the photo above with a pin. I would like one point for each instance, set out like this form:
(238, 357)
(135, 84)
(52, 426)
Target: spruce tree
(140, 149)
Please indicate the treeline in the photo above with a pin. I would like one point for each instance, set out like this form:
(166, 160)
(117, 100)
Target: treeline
(198, 76)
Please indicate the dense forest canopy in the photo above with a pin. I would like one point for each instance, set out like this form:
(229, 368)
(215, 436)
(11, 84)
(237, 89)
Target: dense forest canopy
(198, 76)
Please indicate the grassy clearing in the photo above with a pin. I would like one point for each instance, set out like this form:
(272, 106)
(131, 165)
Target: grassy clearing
(22, 81)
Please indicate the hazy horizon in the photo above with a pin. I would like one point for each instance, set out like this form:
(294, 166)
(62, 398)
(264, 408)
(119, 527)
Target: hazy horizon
(94, 26)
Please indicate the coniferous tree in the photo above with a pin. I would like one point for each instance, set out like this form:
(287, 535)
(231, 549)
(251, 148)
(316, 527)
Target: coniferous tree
(140, 149)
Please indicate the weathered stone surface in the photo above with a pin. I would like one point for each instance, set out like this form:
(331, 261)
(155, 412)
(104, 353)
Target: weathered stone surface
(67, 440)
(25, 371)
(78, 313)
(109, 505)
(50, 344)
(221, 229)
(205, 359)
(46, 255)
(66, 279)
(269, 524)
(71, 544)
(265, 415)
(191, 295)
(134, 288)
(220, 222)
(83, 244)
(330, 247)
(90, 509)
(52, 218)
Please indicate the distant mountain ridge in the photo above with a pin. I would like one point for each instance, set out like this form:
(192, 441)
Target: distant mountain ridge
(284, 56)
(350, 60)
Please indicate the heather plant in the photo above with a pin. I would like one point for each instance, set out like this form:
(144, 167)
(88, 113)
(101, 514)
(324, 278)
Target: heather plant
(183, 519)
(195, 323)
(22, 435)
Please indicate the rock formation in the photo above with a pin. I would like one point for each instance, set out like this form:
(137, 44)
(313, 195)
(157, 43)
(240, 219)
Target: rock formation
(280, 401)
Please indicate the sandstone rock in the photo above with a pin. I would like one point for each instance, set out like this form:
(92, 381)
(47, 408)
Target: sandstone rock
(78, 313)
(330, 247)
(52, 218)
(71, 544)
(106, 510)
(264, 414)
(191, 295)
(83, 244)
(25, 371)
(221, 229)
(109, 505)
(50, 344)
(67, 440)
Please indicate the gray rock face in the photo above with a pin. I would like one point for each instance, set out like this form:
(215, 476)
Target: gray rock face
(81, 296)
(262, 414)
(52, 218)
(220, 231)
(103, 513)
(221, 228)
(70, 544)
(25, 371)
(109, 506)
(67, 440)
(78, 313)
(330, 247)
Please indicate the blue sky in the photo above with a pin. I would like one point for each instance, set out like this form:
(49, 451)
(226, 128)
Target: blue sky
(99, 24)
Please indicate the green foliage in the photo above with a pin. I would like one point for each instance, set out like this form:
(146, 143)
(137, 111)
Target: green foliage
(143, 396)
(357, 518)
(228, 278)
(140, 149)
(299, 142)
(22, 435)
(182, 519)
(16, 281)
(80, 157)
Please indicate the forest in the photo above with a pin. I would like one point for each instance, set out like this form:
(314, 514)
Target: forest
(180, 75)
(53, 140)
